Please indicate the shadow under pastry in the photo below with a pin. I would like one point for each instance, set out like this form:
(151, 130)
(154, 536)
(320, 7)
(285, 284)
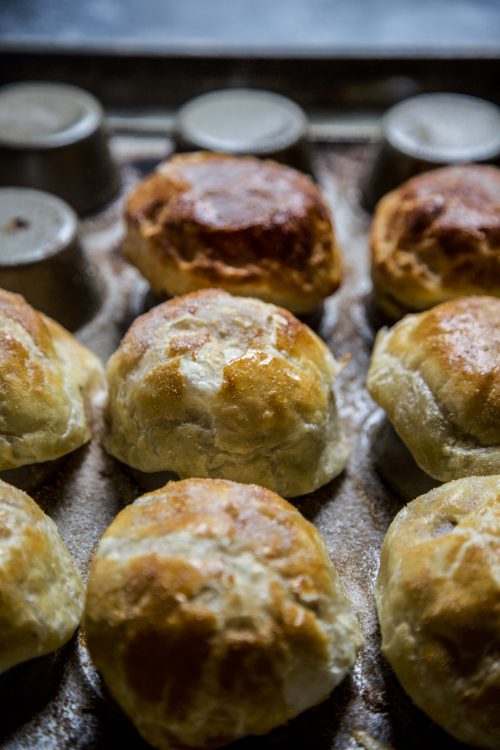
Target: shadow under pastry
(394, 461)
(143, 303)
(26, 688)
(143, 480)
(411, 728)
(311, 504)
(377, 317)
(115, 729)
(150, 481)
(369, 317)
(32, 476)
(314, 318)
(319, 727)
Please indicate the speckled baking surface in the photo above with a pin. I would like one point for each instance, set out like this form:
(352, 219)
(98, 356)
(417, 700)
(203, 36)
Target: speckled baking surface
(58, 701)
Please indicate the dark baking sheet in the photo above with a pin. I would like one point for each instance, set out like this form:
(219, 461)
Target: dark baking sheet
(58, 701)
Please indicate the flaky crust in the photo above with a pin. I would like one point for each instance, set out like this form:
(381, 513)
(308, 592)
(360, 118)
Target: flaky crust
(437, 375)
(47, 379)
(41, 594)
(437, 237)
(438, 600)
(252, 227)
(213, 612)
(210, 384)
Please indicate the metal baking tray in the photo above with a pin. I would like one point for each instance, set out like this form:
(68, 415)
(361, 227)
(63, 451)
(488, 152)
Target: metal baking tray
(58, 701)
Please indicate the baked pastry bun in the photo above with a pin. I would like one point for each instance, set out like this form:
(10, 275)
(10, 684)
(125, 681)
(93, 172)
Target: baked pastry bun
(437, 237)
(41, 594)
(252, 227)
(47, 380)
(437, 375)
(213, 612)
(438, 601)
(213, 385)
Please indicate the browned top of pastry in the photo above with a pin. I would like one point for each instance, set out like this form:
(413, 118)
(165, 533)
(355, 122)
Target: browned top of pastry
(213, 384)
(456, 348)
(438, 598)
(46, 382)
(459, 205)
(464, 335)
(212, 308)
(210, 604)
(216, 191)
(41, 592)
(247, 517)
(438, 236)
(15, 308)
(235, 222)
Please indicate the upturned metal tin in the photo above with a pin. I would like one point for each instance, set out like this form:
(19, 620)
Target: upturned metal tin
(52, 138)
(41, 257)
(429, 131)
(245, 121)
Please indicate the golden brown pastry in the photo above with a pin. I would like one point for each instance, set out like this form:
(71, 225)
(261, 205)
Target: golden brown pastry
(437, 237)
(210, 384)
(252, 227)
(438, 601)
(213, 612)
(41, 594)
(437, 375)
(46, 379)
